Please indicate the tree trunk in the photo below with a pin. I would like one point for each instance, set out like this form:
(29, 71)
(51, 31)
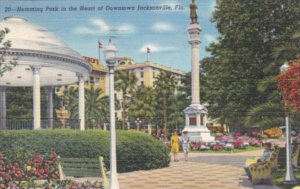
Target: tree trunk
(123, 111)
(165, 115)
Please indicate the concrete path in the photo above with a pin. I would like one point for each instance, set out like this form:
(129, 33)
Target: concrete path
(202, 171)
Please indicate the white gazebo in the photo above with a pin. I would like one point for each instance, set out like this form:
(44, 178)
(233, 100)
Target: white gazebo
(43, 60)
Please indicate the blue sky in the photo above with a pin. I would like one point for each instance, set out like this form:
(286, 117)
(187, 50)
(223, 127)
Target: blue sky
(163, 31)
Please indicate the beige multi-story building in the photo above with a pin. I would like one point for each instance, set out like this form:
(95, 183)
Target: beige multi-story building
(146, 73)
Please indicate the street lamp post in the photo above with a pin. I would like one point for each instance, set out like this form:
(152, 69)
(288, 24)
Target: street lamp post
(138, 123)
(289, 175)
(110, 58)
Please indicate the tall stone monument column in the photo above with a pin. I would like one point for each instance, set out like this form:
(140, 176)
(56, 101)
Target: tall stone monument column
(196, 113)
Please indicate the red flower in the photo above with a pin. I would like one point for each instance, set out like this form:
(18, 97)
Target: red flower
(41, 171)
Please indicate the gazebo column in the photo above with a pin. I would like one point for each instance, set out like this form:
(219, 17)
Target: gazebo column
(50, 106)
(2, 108)
(81, 101)
(36, 97)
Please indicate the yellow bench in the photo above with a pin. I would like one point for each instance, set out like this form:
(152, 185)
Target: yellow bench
(260, 172)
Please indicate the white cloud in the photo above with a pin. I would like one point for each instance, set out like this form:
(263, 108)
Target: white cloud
(209, 38)
(156, 48)
(212, 6)
(98, 26)
(126, 28)
(163, 27)
(84, 30)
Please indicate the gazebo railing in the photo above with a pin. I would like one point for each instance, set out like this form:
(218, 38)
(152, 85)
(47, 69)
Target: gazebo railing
(46, 123)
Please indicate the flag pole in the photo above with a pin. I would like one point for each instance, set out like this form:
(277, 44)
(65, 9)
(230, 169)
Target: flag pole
(148, 52)
(99, 52)
(147, 57)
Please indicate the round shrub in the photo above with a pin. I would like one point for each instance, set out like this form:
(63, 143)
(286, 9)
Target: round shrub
(135, 150)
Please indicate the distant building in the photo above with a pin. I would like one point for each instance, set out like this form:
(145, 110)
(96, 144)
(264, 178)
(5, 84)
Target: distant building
(146, 73)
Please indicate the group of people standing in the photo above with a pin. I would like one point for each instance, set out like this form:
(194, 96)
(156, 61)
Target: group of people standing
(184, 140)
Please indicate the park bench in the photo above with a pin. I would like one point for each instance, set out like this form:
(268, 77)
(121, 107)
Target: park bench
(83, 167)
(282, 158)
(260, 172)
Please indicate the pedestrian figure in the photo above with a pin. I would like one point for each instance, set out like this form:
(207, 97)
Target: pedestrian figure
(175, 145)
(185, 145)
(265, 156)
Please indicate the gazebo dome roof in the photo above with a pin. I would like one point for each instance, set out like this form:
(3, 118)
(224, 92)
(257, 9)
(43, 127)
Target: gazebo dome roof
(35, 46)
(25, 35)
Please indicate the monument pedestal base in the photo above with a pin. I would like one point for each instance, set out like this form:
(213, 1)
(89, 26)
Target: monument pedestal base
(195, 116)
(199, 134)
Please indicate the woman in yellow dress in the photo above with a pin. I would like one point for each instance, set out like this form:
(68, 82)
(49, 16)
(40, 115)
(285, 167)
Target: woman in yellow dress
(175, 145)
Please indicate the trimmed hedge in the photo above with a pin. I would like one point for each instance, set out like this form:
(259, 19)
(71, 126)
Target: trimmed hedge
(135, 150)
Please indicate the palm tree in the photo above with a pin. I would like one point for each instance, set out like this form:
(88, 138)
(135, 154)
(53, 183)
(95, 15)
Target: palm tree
(143, 104)
(271, 112)
(125, 81)
(165, 87)
(70, 100)
(96, 107)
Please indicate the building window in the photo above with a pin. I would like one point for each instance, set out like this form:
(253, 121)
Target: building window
(92, 80)
(97, 80)
(142, 83)
(142, 74)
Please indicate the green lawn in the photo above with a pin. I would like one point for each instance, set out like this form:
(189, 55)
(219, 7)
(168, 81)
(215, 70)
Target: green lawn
(249, 148)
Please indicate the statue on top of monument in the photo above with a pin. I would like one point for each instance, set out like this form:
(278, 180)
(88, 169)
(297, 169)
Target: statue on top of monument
(193, 13)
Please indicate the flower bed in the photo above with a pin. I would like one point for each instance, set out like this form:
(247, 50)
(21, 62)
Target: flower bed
(274, 132)
(23, 173)
(227, 143)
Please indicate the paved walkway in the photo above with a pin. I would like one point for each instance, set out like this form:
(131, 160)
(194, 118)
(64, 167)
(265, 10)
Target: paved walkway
(202, 171)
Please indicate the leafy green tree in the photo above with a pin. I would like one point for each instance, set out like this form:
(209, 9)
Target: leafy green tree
(96, 106)
(19, 102)
(177, 103)
(125, 81)
(164, 86)
(270, 113)
(250, 31)
(4, 47)
(143, 104)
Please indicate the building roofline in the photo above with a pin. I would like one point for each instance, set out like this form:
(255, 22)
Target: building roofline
(150, 64)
